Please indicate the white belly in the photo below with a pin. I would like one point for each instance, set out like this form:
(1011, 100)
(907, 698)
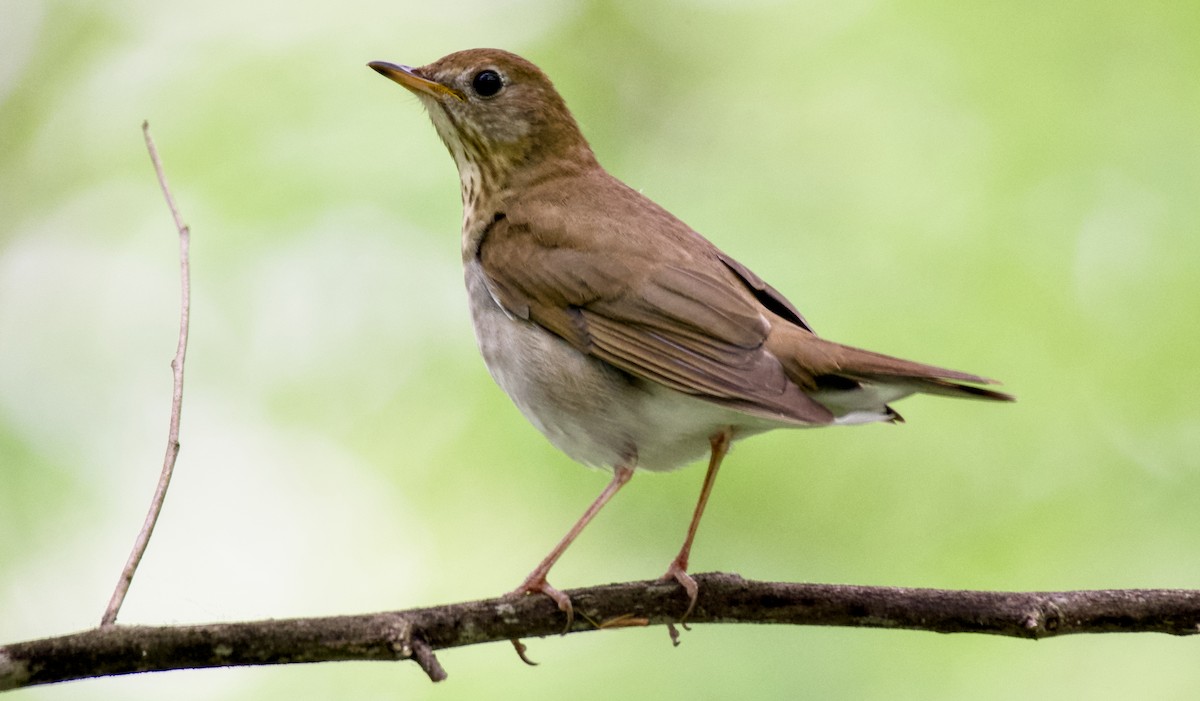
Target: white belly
(591, 411)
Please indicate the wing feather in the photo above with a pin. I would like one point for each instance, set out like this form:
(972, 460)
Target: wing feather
(683, 326)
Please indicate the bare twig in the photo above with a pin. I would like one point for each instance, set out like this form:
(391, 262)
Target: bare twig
(164, 480)
(724, 598)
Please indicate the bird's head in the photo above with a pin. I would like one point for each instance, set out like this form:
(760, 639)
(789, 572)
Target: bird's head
(496, 112)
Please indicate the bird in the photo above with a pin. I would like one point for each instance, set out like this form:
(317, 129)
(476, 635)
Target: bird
(625, 337)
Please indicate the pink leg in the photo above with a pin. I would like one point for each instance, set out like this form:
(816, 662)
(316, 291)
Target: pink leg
(536, 581)
(678, 568)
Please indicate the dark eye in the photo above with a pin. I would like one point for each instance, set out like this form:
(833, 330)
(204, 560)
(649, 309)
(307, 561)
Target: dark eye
(487, 83)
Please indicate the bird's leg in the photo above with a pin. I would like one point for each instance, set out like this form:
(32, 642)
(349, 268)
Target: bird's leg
(678, 568)
(536, 581)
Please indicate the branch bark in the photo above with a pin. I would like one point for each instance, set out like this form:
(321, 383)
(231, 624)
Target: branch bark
(724, 598)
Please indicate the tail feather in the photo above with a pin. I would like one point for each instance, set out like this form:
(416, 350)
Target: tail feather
(824, 367)
(942, 387)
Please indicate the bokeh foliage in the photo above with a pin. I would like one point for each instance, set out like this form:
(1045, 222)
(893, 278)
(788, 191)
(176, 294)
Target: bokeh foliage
(1008, 188)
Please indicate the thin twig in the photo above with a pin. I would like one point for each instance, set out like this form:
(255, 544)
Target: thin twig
(164, 480)
(724, 598)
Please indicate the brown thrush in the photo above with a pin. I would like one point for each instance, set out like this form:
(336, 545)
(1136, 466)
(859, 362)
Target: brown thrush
(625, 337)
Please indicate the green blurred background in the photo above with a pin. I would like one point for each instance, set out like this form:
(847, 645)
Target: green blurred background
(1005, 188)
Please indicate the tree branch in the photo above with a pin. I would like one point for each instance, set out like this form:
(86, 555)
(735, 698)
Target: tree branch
(724, 598)
(168, 468)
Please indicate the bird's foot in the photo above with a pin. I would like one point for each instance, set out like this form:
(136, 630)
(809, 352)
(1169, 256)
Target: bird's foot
(678, 572)
(536, 583)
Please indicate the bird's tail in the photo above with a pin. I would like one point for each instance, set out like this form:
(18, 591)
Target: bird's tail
(851, 381)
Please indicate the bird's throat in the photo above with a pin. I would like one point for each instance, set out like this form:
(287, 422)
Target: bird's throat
(482, 198)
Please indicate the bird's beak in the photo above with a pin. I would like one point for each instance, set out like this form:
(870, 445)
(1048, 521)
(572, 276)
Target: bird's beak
(415, 83)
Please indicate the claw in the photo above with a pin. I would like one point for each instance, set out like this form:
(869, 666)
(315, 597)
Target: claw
(520, 648)
(678, 572)
(674, 633)
(539, 585)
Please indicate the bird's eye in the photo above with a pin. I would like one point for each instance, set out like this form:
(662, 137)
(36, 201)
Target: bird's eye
(487, 83)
